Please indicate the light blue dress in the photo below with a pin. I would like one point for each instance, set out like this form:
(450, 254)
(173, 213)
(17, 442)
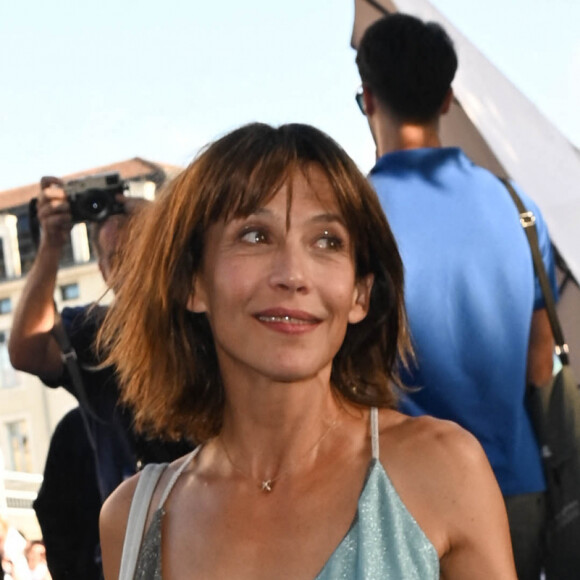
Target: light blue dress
(384, 540)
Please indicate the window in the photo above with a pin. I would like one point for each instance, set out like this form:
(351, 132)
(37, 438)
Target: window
(5, 305)
(25, 239)
(3, 274)
(7, 373)
(70, 291)
(19, 446)
(10, 253)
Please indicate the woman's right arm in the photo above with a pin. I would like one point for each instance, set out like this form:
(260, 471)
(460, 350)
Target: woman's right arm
(112, 526)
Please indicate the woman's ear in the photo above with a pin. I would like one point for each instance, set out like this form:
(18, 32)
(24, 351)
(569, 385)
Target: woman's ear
(361, 298)
(197, 301)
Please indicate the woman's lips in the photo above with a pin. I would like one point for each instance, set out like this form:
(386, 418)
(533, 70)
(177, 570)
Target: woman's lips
(290, 321)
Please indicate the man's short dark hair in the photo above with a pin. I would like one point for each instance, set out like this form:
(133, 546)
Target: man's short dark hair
(408, 65)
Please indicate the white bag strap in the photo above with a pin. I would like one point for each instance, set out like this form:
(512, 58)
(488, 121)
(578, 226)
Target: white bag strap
(137, 518)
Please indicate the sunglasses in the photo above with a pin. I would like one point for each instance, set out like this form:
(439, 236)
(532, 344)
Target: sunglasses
(360, 100)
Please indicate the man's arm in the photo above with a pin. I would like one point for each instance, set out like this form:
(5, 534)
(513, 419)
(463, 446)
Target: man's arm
(540, 350)
(32, 348)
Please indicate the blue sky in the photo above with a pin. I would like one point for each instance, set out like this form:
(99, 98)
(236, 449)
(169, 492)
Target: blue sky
(88, 83)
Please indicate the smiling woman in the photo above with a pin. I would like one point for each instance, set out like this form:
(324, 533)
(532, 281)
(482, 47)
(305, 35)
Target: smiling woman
(259, 312)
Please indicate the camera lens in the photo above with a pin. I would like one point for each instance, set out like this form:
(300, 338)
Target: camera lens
(94, 205)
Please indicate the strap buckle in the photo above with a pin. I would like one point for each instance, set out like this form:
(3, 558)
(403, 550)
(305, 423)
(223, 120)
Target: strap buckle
(527, 219)
(68, 355)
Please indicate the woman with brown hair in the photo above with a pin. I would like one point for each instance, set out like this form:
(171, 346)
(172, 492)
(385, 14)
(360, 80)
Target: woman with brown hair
(261, 314)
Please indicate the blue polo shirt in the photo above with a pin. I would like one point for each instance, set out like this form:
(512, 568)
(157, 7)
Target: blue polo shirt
(470, 292)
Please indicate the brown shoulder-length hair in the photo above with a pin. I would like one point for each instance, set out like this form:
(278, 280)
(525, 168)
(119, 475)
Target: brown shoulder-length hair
(165, 355)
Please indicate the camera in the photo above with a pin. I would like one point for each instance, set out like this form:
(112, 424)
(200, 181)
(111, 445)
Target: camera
(92, 198)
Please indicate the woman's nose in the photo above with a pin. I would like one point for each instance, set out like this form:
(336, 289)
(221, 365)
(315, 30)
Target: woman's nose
(289, 270)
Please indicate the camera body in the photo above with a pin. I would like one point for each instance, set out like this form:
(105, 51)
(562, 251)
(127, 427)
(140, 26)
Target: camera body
(92, 198)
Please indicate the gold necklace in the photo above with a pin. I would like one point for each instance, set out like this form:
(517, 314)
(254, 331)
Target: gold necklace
(267, 485)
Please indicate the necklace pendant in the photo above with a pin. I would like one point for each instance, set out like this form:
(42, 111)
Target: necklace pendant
(267, 485)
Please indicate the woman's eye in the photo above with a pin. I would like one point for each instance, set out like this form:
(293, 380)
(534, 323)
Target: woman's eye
(254, 237)
(329, 241)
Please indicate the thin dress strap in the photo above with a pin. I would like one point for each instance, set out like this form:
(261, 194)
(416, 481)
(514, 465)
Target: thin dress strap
(375, 432)
(176, 475)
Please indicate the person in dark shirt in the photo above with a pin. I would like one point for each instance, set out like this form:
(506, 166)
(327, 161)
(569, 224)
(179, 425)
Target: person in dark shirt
(69, 501)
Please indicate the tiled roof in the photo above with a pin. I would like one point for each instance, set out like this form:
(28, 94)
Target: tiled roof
(135, 168)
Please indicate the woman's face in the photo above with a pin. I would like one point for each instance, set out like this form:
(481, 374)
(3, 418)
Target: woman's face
(278, 287)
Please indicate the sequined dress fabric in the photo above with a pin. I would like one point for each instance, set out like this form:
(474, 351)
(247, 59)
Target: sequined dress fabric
(384, 540)
(149, 561)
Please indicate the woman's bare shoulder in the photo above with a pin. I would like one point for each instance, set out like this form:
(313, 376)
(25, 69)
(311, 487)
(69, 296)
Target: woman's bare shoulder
(115, 514)
(442, 474)
(437, 461)
(118, 503)
(435, 466)
(113, 524)
(433, 443)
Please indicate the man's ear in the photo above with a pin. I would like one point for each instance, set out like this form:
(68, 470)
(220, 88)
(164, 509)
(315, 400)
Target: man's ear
(362, 299)
(368, 101)
(447, 102)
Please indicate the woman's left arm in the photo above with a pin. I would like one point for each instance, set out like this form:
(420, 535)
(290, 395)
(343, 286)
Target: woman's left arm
(479, 544)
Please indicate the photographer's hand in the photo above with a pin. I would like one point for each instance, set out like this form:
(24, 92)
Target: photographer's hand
(53, 213)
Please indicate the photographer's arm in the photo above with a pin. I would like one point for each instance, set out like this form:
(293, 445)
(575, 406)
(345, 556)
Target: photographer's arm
(32, 348)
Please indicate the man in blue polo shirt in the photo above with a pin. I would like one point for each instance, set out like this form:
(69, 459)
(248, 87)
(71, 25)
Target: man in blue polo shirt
(475, 310)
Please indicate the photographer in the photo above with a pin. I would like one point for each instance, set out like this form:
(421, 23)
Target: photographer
(117, 450)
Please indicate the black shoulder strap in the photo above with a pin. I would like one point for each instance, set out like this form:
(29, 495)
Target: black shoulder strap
(528, 221)
(70, 360)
